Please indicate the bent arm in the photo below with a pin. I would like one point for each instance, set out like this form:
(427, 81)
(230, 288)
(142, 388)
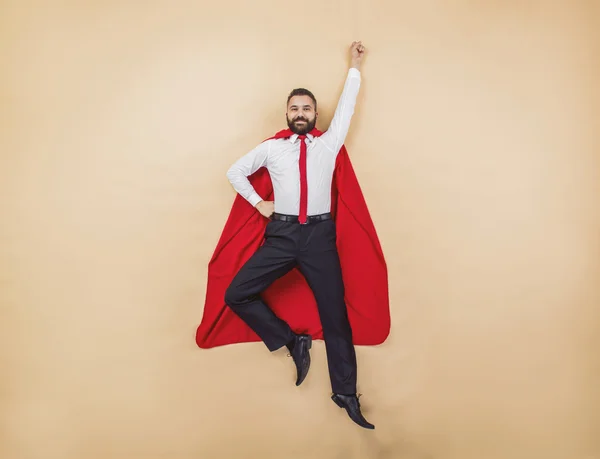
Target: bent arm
(247, 165)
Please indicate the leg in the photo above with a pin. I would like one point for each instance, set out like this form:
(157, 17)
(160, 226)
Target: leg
(320, 265)
(270, 262)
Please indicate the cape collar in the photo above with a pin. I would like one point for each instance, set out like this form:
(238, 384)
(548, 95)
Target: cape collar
(288, 134)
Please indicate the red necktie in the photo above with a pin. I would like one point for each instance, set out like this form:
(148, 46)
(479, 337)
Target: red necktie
(303, 183)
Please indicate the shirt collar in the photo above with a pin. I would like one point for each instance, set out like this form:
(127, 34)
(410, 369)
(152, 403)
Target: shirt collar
(294, 137)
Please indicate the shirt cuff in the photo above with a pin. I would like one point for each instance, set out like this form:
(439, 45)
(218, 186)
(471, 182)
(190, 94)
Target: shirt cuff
(254, 199)
(353, 72)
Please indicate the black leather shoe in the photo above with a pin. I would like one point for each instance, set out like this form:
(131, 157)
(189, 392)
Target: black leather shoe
(301, 356)
(352, 406)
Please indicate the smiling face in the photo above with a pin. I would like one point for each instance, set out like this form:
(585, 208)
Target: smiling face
(301, 112)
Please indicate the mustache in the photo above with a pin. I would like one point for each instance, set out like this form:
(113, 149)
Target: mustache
(301, 119)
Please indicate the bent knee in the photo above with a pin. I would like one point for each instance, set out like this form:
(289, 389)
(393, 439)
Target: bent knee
(234, 297)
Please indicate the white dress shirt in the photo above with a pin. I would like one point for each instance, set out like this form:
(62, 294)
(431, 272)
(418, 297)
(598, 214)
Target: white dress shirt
(281, 158)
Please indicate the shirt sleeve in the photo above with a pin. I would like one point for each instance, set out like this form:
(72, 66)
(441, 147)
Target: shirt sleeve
(245, 166)
(335, 136)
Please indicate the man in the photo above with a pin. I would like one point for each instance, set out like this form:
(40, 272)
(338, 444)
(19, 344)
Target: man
(302, 234)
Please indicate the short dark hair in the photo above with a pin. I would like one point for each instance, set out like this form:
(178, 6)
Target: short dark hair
(302, 92)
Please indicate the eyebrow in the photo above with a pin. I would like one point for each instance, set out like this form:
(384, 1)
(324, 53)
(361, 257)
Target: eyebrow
(305, 105)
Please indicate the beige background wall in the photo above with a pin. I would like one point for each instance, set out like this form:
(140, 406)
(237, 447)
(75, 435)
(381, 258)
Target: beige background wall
(475, 141)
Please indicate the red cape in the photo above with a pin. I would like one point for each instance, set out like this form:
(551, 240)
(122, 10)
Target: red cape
(364, 268)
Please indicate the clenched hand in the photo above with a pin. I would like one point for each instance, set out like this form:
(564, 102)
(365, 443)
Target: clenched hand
(266, 208)
(357, 50)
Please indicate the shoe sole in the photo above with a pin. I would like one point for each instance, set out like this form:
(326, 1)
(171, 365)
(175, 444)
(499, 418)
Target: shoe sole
(308, 346)
(339, 403)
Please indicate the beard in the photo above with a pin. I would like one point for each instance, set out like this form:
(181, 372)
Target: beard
(301, 128)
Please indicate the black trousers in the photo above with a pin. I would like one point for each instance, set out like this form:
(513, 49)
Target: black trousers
(312, 248)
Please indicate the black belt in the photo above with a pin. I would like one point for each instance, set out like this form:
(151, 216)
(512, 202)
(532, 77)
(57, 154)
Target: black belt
(294, 218)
